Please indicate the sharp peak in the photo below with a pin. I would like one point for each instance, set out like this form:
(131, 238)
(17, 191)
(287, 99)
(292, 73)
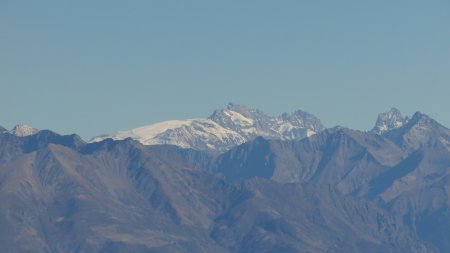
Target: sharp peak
(392, 111)
(416, 115)
(387, 121)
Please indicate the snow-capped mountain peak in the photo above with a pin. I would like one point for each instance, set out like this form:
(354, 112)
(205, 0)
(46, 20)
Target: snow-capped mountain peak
(23, 130)
(224, 129)
(201, 134)
(389, 120)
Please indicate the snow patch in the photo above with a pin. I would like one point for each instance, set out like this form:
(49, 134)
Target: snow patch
(23, 130)
(238, 118)
(224, 129)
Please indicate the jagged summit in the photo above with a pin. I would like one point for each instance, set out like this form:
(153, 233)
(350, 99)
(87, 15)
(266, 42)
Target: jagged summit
(253, 122)
(22, 130)
(224, 129)
(389, 120)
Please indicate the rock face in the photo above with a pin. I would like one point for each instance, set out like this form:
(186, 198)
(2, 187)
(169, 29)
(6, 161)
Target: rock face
(250, 123)
(224, 129)
(389, 120)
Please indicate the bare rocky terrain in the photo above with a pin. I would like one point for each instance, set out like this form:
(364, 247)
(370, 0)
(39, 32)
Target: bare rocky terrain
(340, 190)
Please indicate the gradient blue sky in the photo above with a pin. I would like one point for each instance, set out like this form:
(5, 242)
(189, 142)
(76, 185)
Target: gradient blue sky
(94, 67)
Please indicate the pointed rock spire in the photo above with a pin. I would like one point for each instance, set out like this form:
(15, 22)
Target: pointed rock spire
(389, 120)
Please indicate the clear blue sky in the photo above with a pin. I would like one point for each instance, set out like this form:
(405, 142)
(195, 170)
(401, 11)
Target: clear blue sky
(94, 67)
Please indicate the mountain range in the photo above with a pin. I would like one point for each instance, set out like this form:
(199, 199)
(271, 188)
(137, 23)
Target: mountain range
(224, 129)
(267, 184)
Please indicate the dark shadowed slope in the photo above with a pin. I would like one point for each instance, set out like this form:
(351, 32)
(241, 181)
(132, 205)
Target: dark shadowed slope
(404, 171)
(345, 158)
(116, 197)
(59, 194)
(304, 218)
